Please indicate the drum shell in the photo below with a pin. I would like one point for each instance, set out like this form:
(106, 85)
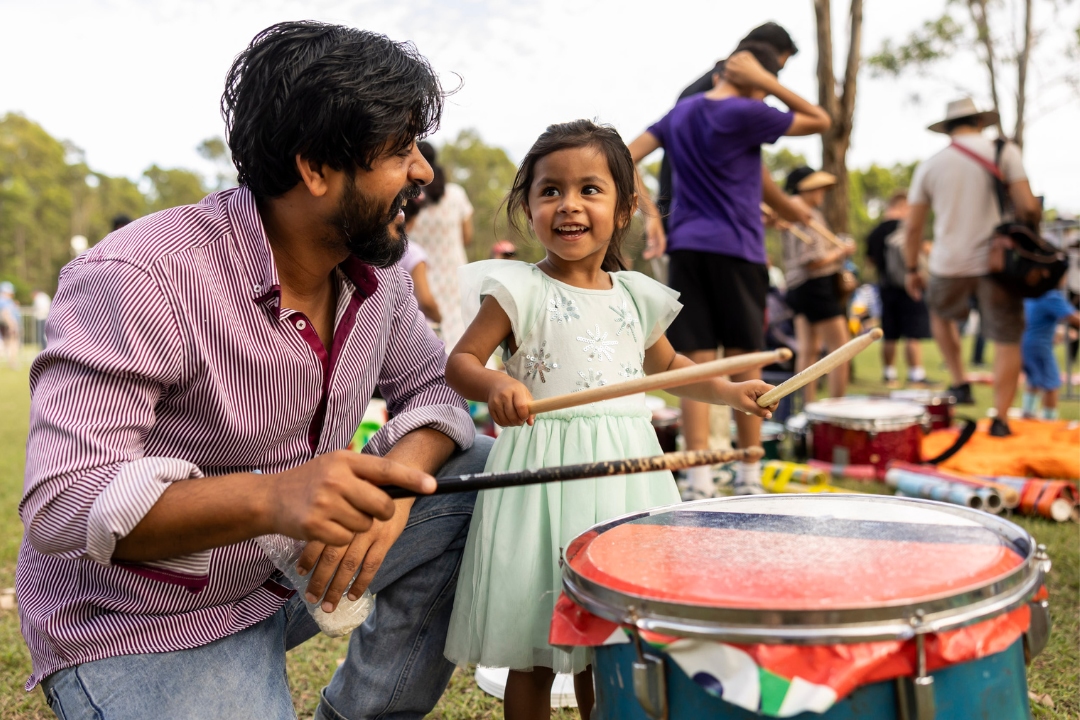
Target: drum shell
(839, 445)
(991, 687)
(938, 406)
(667, 422)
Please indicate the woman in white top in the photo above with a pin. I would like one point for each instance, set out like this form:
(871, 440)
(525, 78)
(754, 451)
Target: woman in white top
(443, 229)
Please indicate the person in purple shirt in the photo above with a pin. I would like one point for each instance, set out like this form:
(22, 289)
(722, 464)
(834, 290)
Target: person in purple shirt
(207, 366)
(716, 239)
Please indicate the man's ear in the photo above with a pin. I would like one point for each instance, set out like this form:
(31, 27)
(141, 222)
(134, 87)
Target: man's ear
(312, 174)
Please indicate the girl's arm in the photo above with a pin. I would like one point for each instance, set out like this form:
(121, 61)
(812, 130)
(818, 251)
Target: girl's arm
(718, 391)
(507, 399)
(424, 298)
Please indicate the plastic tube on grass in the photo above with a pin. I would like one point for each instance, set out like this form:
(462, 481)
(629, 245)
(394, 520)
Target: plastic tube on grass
(284, 552)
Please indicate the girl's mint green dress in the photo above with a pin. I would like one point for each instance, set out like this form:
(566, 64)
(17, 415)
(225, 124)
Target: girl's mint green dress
(568, 339)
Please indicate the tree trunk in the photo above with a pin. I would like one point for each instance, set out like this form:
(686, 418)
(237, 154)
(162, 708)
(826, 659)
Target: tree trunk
(982, 25)
(1021, 75)
(835, 141)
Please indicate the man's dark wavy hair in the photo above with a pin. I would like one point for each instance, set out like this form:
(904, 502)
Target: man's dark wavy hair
(336, 95)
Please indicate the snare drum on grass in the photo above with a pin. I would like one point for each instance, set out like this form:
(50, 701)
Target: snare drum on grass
(791, 581)
(772, 437)
(938, 405)
(865, 431)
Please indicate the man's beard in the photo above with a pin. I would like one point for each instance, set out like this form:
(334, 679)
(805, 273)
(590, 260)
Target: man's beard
(364, 227)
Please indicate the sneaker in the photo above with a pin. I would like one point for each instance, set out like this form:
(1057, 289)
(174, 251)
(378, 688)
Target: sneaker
(962, 393)
(749, 489)
(999, 428)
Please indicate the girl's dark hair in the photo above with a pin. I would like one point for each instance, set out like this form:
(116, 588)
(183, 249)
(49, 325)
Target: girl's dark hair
(336, 95)
(580, 134)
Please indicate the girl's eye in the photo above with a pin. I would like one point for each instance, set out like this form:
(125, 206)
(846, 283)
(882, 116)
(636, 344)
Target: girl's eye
(590, 190)
(549, 192)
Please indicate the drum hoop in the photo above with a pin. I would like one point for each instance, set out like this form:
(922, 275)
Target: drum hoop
(946, 611)
(917, 416)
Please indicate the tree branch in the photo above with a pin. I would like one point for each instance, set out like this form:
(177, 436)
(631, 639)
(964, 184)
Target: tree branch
(1021, 75)
(977, 8)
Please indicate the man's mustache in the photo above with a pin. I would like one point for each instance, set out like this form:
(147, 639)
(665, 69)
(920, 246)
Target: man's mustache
(410, 192)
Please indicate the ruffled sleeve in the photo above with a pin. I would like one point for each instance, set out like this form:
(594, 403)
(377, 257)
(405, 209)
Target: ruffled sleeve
(514, 284)
(657, 304)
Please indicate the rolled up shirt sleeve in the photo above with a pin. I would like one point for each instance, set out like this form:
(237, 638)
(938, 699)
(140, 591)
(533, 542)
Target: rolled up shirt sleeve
(413, 382)
(114, 349)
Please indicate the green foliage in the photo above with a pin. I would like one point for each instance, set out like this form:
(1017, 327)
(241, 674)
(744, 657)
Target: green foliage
(173, 187)
(216, 151)
(48, 194)
(486, 172)
(869, 191)
(935, 40)
(781, 162)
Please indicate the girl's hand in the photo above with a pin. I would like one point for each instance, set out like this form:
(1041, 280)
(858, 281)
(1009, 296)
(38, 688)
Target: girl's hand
(743, 396)
(508, 402)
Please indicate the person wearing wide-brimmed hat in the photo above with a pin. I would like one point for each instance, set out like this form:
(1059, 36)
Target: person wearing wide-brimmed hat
(957, 185)
(811, 264)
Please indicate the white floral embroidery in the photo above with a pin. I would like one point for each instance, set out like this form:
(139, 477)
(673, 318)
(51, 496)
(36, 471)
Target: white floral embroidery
(562, 308)
(597, 345)
(624, 315)
(536, 363)
(590, 379)
(629, 371)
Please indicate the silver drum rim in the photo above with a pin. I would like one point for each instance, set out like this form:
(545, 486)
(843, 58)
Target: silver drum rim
(943, 612)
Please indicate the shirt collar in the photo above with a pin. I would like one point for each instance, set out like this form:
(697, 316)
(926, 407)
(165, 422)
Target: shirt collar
(260, 270)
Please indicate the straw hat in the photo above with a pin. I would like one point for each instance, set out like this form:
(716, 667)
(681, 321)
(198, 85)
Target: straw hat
(805, 179)
(965, 107)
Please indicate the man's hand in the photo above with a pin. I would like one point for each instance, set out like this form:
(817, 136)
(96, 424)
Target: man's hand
(744, 70)
(915, 285)
(655, 238)
(333, 497)
(366, 553)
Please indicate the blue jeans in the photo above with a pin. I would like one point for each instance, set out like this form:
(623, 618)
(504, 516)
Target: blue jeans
(394, 667)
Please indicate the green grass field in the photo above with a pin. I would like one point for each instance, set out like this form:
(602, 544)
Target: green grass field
(1055, 673)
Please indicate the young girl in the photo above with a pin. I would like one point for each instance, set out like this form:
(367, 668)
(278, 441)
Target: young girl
(574, 320)
(810, 270)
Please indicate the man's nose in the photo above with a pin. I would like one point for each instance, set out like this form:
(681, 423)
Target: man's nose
(420, 172)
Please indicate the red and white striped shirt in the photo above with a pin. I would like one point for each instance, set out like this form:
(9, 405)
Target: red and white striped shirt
(169, 357)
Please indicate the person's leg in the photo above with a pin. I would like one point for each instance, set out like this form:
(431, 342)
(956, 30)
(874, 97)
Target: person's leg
(888, 360)
(585, 692)
(1049, 405)
(947, 336)
(395, 666)
(949, 303)
(695, 427)
(240, 676)
(1003, 324)
(913, 352)
(528, 694)
(809, 346)
(835, 333)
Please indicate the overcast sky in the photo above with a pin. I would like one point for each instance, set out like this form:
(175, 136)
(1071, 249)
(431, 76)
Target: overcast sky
(135, 82)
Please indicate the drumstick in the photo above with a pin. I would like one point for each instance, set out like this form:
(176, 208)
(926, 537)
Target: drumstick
(785, 225)
(826, 364)
(660, 381)
(827, 234)
(559, 473)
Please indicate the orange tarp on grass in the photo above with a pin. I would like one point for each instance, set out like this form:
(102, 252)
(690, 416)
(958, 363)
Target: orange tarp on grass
(1036, 448)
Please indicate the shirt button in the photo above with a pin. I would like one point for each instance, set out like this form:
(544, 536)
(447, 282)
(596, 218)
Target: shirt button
(300, 324)
(256, 288)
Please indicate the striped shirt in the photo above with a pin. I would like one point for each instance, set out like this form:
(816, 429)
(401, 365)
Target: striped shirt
(169, 357)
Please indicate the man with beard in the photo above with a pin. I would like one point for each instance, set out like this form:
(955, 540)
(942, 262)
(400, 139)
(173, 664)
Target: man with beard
(206, 368)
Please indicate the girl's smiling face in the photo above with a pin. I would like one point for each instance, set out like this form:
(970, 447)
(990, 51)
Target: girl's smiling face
(571, 204)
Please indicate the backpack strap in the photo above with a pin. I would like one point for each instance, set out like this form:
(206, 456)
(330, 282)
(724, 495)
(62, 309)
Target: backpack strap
(994, 168)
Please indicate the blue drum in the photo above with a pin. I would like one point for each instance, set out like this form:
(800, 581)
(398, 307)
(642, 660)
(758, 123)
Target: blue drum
(742, 607)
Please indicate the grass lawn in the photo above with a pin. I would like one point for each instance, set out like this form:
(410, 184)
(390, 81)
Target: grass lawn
(1056, 672)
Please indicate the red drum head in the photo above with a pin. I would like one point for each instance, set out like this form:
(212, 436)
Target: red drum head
(797, 554)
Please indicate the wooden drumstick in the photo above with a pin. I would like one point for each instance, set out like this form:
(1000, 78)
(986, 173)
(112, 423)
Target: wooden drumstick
(604, 468)
(826, 364)
(785, 225)
(660, 381)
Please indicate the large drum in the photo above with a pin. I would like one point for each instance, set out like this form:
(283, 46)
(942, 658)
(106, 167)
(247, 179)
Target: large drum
(865, 431)
(939, 405)
(738, 606)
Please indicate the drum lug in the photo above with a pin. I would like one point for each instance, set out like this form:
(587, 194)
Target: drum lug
(915, 696)
(1038, 632)
(650, 685)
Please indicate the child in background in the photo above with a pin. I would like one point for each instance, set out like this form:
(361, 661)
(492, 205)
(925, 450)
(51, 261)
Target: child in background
(575, 320)
(1041, 316)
